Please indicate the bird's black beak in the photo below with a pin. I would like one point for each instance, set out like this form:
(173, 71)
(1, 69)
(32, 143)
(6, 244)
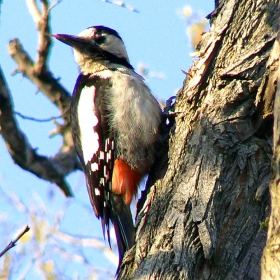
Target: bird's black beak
(71, 40)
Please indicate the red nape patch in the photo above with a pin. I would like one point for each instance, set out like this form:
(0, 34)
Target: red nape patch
(125, 180)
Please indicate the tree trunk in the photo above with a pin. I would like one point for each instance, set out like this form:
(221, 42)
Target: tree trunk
(271, 255)
(201, 219)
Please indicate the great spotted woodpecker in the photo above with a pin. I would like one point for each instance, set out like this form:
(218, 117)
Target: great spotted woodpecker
(115, 121)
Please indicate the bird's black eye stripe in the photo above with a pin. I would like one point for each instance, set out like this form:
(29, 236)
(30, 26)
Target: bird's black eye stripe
(100, 40)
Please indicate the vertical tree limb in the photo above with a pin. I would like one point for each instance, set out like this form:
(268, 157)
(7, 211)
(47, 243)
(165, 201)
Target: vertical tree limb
(271, 255)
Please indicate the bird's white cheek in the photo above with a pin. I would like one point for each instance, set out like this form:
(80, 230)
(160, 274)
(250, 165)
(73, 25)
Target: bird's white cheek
(77, 56)
(88, 122)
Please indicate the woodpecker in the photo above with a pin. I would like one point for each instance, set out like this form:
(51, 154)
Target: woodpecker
(115, 122)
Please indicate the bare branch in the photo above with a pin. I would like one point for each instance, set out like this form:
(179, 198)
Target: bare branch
(36, 119)
(41, 19)
(13, 243)
(51, 169)
(34, 11)
(88, 242)
(45, 81)
(54, 4)
(44, 43)
(122, 4)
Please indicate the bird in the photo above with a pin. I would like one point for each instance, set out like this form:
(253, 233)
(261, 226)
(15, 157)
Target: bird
(115, 123)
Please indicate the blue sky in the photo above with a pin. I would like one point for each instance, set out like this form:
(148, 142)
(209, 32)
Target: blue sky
(156, 36)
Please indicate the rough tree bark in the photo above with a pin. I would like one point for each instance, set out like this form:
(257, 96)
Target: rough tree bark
(271, 255)
(208, 191)
(202, 219)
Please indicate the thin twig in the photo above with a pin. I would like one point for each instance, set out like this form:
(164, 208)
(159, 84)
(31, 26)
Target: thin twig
(13, 243)
(54, 4)
(122, 4)
(35, 119)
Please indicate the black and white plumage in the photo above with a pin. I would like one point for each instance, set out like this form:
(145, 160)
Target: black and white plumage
(115, 121)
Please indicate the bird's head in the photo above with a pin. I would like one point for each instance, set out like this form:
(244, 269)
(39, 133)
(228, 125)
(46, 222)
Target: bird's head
(96, 46)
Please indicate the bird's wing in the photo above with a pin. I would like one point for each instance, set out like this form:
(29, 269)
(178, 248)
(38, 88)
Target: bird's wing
(95, 145)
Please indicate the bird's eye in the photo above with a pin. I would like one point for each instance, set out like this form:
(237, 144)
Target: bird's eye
(100, 40)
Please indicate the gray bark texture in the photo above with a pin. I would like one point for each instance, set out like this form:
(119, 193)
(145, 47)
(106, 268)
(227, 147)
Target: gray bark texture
(201, 218)
(271, 254)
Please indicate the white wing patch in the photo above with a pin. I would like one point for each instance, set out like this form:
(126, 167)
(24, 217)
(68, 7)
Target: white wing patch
(87, 122)
(97, 191)
(94, 166)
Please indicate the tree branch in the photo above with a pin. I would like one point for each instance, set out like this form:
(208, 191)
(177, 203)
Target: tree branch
(41, 19)
(122, 4)
(51, 169)
(44, 81)
(271, 254)
(13, 243)
(36, 119)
